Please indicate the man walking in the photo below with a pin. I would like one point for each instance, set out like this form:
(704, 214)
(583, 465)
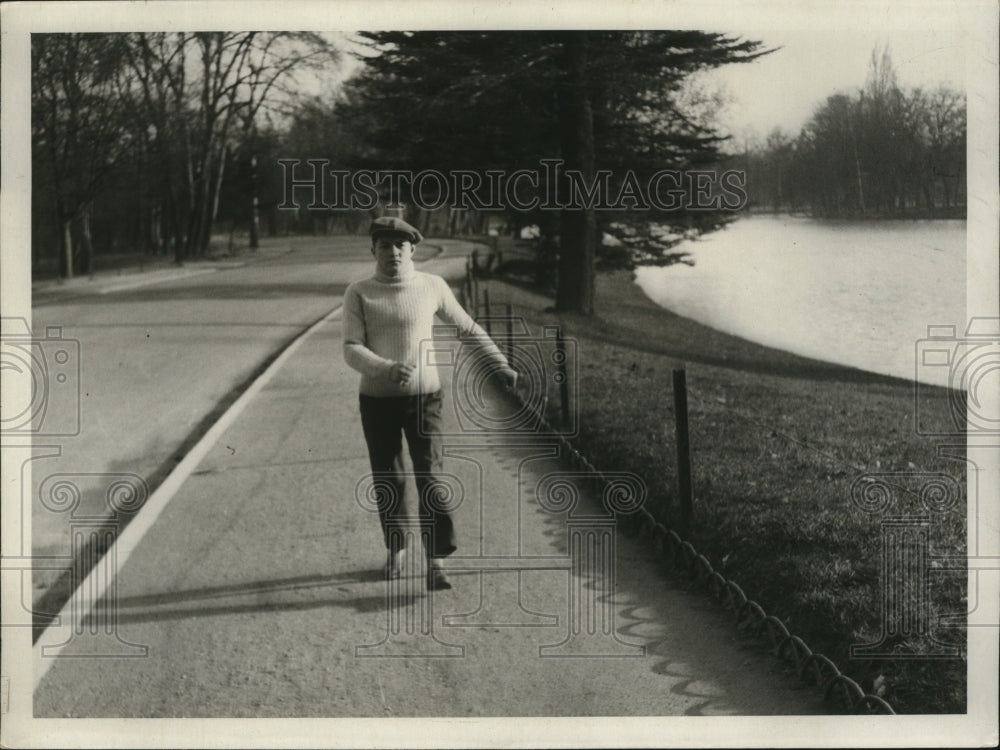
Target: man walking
(386, 317)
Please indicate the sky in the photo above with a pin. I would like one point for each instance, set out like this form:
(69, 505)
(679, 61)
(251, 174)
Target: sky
(823, 49)
(784, 88)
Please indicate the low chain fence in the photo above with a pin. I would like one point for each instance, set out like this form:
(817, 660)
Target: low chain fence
(838, 689)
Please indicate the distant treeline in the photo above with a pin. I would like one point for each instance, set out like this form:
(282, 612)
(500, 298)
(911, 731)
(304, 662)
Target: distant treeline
(154, 143)
(882, 152)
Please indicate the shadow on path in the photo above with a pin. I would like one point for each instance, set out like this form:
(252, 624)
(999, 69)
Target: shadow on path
(265, 597)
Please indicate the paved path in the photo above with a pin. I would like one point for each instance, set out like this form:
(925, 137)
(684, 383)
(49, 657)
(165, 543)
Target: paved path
(258, 591)
(158, 355)
(250, 584)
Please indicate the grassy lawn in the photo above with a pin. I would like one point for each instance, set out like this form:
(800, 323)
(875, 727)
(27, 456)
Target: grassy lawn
(777, 441)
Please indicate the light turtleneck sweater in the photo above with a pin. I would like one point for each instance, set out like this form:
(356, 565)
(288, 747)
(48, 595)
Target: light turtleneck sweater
(387, 317)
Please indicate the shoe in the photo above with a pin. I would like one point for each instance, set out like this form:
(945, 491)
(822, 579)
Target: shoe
(436, 579)
(393, 567)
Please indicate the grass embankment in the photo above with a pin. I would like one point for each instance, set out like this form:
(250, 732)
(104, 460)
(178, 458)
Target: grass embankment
(777, 442)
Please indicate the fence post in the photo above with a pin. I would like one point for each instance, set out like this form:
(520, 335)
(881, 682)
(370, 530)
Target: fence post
(486, 305)
(562, 376)
(510, 333)
(683, 449)
(473, 297)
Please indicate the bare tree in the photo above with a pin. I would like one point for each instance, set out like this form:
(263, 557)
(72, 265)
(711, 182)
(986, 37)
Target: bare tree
(78, 133)
(158, 106)
(885, 151)
(181, 105)
(241, 73)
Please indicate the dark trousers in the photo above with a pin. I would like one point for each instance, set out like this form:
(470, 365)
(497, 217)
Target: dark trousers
(385, 421)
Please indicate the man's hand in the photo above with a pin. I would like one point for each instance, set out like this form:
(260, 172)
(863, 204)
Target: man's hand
(401, 373)
(508, 377)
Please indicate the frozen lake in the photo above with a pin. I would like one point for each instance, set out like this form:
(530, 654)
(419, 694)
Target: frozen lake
(857, 293)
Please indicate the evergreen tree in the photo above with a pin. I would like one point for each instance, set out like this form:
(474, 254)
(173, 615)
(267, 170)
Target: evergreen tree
(506, 100)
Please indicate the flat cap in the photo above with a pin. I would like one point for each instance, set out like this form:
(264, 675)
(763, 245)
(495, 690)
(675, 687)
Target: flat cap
(392, 225)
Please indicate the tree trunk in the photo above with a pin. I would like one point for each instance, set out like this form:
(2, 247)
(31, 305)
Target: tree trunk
(254, 213)
(156, 229)
(193, 226)
(216, 192)
(861, 188)
(272, 222)
(171, 216)
(66, 251)
(179, 249)
(578, 226)
(86, 242)
(200, 201)
(209, 208)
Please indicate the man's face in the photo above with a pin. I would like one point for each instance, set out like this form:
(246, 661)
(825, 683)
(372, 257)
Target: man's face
(390, 252)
